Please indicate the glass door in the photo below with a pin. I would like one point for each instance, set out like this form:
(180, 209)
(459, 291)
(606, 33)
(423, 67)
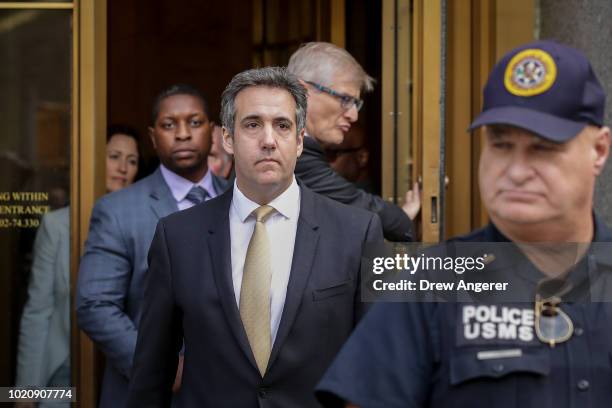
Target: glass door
(53, 107)
(412, 108)
(36, 47)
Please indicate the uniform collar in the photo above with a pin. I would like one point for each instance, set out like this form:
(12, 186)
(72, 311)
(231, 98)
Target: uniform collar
(312, 143)
(596, 261)
(602, 233)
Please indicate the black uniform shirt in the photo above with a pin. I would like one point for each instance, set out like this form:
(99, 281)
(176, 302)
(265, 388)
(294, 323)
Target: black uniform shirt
(447, 355)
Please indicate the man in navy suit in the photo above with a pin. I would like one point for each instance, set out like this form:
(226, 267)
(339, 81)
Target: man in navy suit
(262, 283)
(111, 276)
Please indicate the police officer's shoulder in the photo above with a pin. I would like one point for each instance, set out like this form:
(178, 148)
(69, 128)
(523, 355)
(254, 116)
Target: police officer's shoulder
(479, 235)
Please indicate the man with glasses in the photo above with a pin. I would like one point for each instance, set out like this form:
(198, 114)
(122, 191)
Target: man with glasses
(545, 146)
(334, 81)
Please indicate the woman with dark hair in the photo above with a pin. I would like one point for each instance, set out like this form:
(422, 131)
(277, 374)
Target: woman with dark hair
(122, 157)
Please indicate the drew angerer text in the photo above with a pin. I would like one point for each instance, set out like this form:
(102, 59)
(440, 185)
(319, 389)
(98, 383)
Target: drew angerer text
(425, 285)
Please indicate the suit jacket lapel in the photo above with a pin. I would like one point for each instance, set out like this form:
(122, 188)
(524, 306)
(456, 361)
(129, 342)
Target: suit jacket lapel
(219, 245)
(162, 203)
(306, 240)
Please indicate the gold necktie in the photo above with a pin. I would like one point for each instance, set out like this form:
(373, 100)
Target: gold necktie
(255, 290)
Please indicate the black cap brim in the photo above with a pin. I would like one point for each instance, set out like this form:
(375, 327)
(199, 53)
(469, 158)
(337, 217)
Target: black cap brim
(543, 124)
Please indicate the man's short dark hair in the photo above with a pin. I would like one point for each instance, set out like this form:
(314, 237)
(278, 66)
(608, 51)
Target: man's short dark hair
(273, 77)
(177, 89)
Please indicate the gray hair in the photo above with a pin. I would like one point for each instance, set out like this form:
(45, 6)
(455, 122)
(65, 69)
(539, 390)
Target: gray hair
(320, 62)
(272, 77)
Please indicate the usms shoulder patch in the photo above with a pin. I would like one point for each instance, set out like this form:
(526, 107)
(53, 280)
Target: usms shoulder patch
(530, 72)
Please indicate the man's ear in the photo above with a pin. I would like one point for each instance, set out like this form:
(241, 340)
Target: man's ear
(300, 141)
(305, 85)
(228, 141)
(152, 136)
(601, 149)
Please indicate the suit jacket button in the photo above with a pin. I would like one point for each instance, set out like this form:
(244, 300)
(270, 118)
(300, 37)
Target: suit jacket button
(583, 385)
(263, 392)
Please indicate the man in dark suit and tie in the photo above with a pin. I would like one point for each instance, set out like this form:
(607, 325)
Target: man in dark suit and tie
(263, 282)
(111, 276)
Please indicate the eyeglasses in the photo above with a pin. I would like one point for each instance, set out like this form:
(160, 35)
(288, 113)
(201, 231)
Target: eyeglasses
(332, 154)
(346, 101)
(552, 325)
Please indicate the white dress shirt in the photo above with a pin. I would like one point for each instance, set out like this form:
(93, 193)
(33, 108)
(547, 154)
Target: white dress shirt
(179, 187)
(281, 227)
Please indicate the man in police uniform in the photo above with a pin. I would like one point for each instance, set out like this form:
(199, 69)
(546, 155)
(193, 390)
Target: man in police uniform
(545, 145)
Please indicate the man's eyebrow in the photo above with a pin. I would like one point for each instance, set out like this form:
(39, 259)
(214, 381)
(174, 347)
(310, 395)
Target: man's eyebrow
(174, 115)
(496, 134)
(258, 117)
(251, 117)
(549, 143)
(282, 118)
(497, 130)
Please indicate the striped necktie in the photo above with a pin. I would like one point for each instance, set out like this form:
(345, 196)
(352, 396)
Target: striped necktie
(197, 195)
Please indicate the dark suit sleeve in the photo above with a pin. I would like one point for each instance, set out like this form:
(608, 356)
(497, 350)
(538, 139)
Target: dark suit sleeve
(160, 332)
(102, 289)
(373, 238)
(312, 170)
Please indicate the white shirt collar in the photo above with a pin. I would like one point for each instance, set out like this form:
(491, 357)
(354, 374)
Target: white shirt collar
(284, 204)
(180, 186)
